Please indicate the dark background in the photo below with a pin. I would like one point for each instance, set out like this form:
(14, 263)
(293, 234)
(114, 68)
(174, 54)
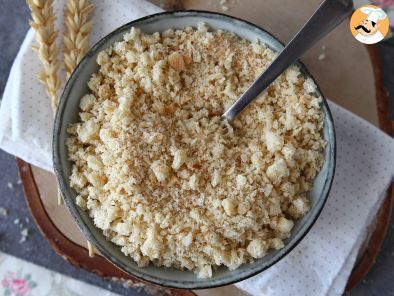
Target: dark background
(14, 17)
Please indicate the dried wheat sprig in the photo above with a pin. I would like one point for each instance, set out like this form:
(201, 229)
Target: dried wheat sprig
(43, 21)
(59, 196)
(90, 249)
(77, 19)
(78, 27)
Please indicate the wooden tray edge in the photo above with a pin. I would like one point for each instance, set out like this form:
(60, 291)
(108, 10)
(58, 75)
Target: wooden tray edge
(387, 125)
(368, 259)
(78, 256)
(72, 252)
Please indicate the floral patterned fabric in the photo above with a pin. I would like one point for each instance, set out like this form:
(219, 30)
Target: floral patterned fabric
(18, 284)
(22, 278)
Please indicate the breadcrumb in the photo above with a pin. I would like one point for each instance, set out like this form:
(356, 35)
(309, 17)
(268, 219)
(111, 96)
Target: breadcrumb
(321, 57)
(24, 235)
(3, 212)
(170, 182)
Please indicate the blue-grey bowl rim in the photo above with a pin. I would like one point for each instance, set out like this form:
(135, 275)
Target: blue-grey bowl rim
(71, 204)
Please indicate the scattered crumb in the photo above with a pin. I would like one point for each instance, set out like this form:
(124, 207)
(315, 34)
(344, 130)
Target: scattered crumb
(3, 212)
(27, 219)
(321, 57)
(17, 221)
(25, 232)
(19, 182)
(223, 5)
(224, 8)
(24, 235)
(10, 185)
(167, 4)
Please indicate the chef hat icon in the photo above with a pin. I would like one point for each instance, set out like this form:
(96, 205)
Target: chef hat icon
(374, 14)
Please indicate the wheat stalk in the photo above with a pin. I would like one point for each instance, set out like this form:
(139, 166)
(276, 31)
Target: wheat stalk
(90, 249)
(43, 21)
(76, 37)
(78, 23)
(78, 27)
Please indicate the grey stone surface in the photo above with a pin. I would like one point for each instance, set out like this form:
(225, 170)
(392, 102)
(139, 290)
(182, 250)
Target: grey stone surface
(14, 16)
(13, 26)
(35, 249)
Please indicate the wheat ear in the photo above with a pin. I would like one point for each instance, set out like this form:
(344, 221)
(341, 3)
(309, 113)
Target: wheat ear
(78, 23)
(43, 21)
(90, 249)
(75, 39)
(78, 27)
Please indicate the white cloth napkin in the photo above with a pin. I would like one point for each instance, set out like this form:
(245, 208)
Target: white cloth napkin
(321, 264)
(26, 118)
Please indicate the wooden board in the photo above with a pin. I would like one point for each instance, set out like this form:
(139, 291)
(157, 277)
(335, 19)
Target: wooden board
(335, 75)
(338, 74)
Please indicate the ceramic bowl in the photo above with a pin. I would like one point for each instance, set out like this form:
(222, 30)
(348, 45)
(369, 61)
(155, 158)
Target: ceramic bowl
(68, 113)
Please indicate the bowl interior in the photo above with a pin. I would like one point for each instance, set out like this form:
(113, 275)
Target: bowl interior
(68, 113)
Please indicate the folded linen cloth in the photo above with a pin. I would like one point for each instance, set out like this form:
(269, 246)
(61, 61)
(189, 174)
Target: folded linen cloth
(25, 115)
(322, 262)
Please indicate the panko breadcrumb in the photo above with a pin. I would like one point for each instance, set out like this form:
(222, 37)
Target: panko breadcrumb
(170, 182)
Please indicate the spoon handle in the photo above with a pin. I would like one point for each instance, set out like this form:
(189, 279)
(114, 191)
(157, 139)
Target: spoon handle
(329, 15)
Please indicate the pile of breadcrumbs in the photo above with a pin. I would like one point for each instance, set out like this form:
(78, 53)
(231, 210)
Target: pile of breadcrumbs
(165, 178)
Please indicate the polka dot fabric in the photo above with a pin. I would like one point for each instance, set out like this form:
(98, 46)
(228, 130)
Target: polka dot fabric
(321, 263)
(26, 118)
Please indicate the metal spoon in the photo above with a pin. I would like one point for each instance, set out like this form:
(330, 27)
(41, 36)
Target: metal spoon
(329, 15)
